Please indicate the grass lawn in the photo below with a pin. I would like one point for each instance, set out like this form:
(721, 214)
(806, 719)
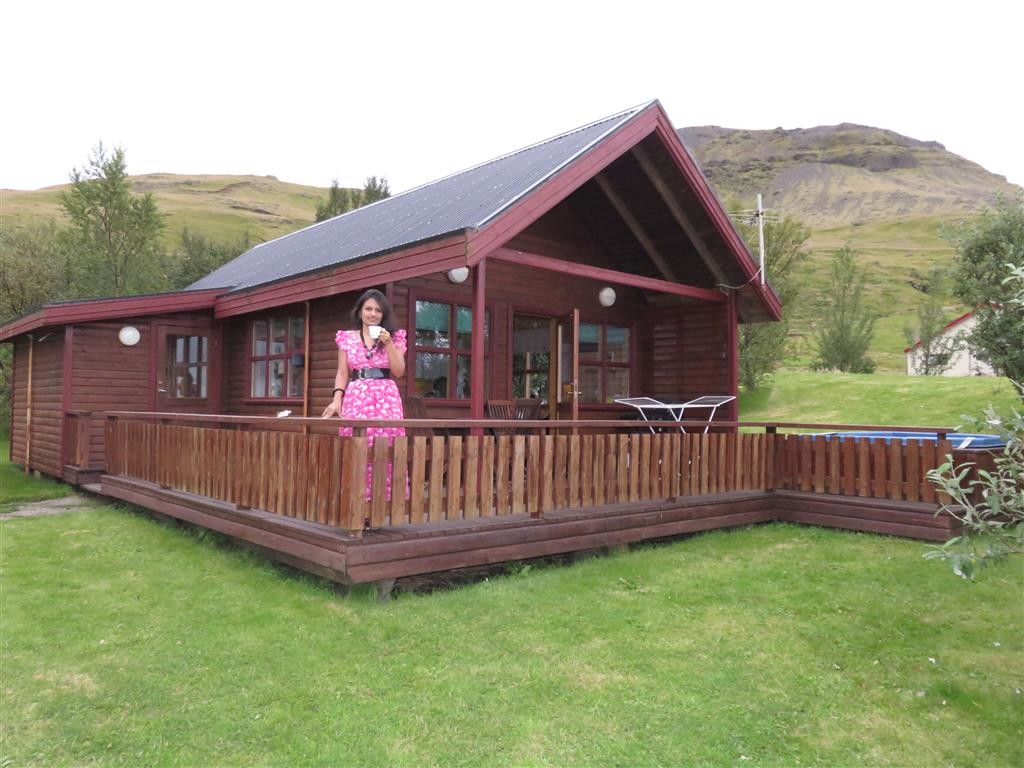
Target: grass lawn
(16, 487)
(879, 398)
(127, 641)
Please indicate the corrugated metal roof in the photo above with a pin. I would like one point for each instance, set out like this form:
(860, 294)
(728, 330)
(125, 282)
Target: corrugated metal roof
(465, 200)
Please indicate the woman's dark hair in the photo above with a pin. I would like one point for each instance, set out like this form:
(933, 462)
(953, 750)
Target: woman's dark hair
(387, 317)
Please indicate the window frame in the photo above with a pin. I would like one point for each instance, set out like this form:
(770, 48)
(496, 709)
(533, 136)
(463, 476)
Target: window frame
(288, 355)
(604, 365)
(455, 302)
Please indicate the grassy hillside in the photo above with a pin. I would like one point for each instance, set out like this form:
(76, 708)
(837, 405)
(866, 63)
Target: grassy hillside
(223, 208)
(886, 195)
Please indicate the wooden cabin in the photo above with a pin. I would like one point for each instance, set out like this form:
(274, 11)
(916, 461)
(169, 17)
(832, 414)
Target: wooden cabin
(533, 239)
(594, 266)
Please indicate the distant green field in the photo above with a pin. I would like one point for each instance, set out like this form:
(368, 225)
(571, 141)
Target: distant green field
(881, 398)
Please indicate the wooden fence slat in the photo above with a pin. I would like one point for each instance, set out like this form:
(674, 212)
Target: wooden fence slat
(533, 470)
(453, 505)
(435, 494)
(487, 466)
(399, 480)
(587, 471)
(379, 482)
(418, 481)
(471, 480)
(518, 474)
(501, 476)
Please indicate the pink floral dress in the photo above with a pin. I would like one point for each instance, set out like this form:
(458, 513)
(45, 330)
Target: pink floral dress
(371, 398)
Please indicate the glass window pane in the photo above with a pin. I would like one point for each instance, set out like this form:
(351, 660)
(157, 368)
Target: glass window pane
(279, 335)
(277, 382)
(202, 349)
(179, 349)
(259, 378)
(590, 384)
(462, 377)
(616, 348)
(296, 334)
(464, 327)
(432, 374)
(295, 380)
(259, 339)
(616, 384)
(433, 324)
(590, 341)
(200, 388)
(193, 349)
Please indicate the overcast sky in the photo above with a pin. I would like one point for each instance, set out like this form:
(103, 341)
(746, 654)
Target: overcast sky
(310, 91)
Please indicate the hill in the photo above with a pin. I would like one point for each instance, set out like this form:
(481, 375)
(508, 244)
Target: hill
(223, 208)
(843, 175)
(888, 196)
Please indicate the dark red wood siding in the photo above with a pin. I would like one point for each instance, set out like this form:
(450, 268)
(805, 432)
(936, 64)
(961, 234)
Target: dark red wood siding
(47, 402)
(686, 354)
(108, 376)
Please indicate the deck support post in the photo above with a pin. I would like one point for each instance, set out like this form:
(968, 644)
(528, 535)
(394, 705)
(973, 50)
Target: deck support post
(384, 589)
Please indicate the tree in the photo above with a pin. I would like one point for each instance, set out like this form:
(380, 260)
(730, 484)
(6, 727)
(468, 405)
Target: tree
(934, 350)
(762, 345)
(342, 200)
(990, 504)
(197, 256)
(847, 326)
(113, 234)
(375, 189)
(984, 249)
(34, 268)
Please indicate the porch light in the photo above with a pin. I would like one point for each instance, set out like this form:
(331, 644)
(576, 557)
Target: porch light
(606, 296)
(458, 274)
(129, 335)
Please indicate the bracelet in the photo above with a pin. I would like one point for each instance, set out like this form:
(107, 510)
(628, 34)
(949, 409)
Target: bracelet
(338, 389)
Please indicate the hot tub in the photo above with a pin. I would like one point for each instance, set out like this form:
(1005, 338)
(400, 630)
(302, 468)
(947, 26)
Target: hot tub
(959, 440)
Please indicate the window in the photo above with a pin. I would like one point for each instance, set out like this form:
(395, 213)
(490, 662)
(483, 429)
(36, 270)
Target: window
(604, 362)
(531, 356)
(441, 345)
(186, 366)
(277, 360)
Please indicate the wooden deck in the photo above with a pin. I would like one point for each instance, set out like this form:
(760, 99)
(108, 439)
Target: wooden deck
(477, 499)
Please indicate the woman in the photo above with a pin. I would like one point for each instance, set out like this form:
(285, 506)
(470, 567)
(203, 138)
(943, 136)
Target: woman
(368, 358)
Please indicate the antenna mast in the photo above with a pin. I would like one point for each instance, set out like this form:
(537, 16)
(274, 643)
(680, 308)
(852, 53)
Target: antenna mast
(759, 215)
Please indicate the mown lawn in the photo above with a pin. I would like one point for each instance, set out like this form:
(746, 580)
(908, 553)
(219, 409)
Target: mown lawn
(128, 642)
(879, 398)
(16, 487)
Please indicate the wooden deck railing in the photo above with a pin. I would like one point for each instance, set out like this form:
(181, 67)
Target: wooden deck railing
(301, 468)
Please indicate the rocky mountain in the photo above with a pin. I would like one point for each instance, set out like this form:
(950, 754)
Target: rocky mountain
(842, 175)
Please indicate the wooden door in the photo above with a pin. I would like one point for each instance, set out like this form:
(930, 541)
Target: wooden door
(186, 369)
(567, 346)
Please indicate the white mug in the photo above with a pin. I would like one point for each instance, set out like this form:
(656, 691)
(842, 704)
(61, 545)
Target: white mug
(374, 331)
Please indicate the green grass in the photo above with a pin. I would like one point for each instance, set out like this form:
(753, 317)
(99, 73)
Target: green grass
(128, 641)
(880, 398)
(16, 487)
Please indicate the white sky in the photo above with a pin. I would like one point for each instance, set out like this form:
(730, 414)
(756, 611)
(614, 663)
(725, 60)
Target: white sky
(309, 91)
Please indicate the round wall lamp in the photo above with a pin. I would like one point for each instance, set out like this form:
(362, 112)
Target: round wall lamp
(129, 335)
(606, 296)
(458, 274)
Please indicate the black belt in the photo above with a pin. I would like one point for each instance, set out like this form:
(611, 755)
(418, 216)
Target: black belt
(370, 373)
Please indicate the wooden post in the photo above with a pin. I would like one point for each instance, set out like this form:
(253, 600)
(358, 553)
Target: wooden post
(28, 408)
(82, 446)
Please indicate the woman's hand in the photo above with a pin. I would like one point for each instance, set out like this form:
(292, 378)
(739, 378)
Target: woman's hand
(333, 409)
(385, 337)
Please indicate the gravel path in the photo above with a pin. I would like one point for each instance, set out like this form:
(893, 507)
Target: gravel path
(73, 503)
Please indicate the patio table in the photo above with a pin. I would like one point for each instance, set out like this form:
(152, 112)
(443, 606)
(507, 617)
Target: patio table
(676, 411)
